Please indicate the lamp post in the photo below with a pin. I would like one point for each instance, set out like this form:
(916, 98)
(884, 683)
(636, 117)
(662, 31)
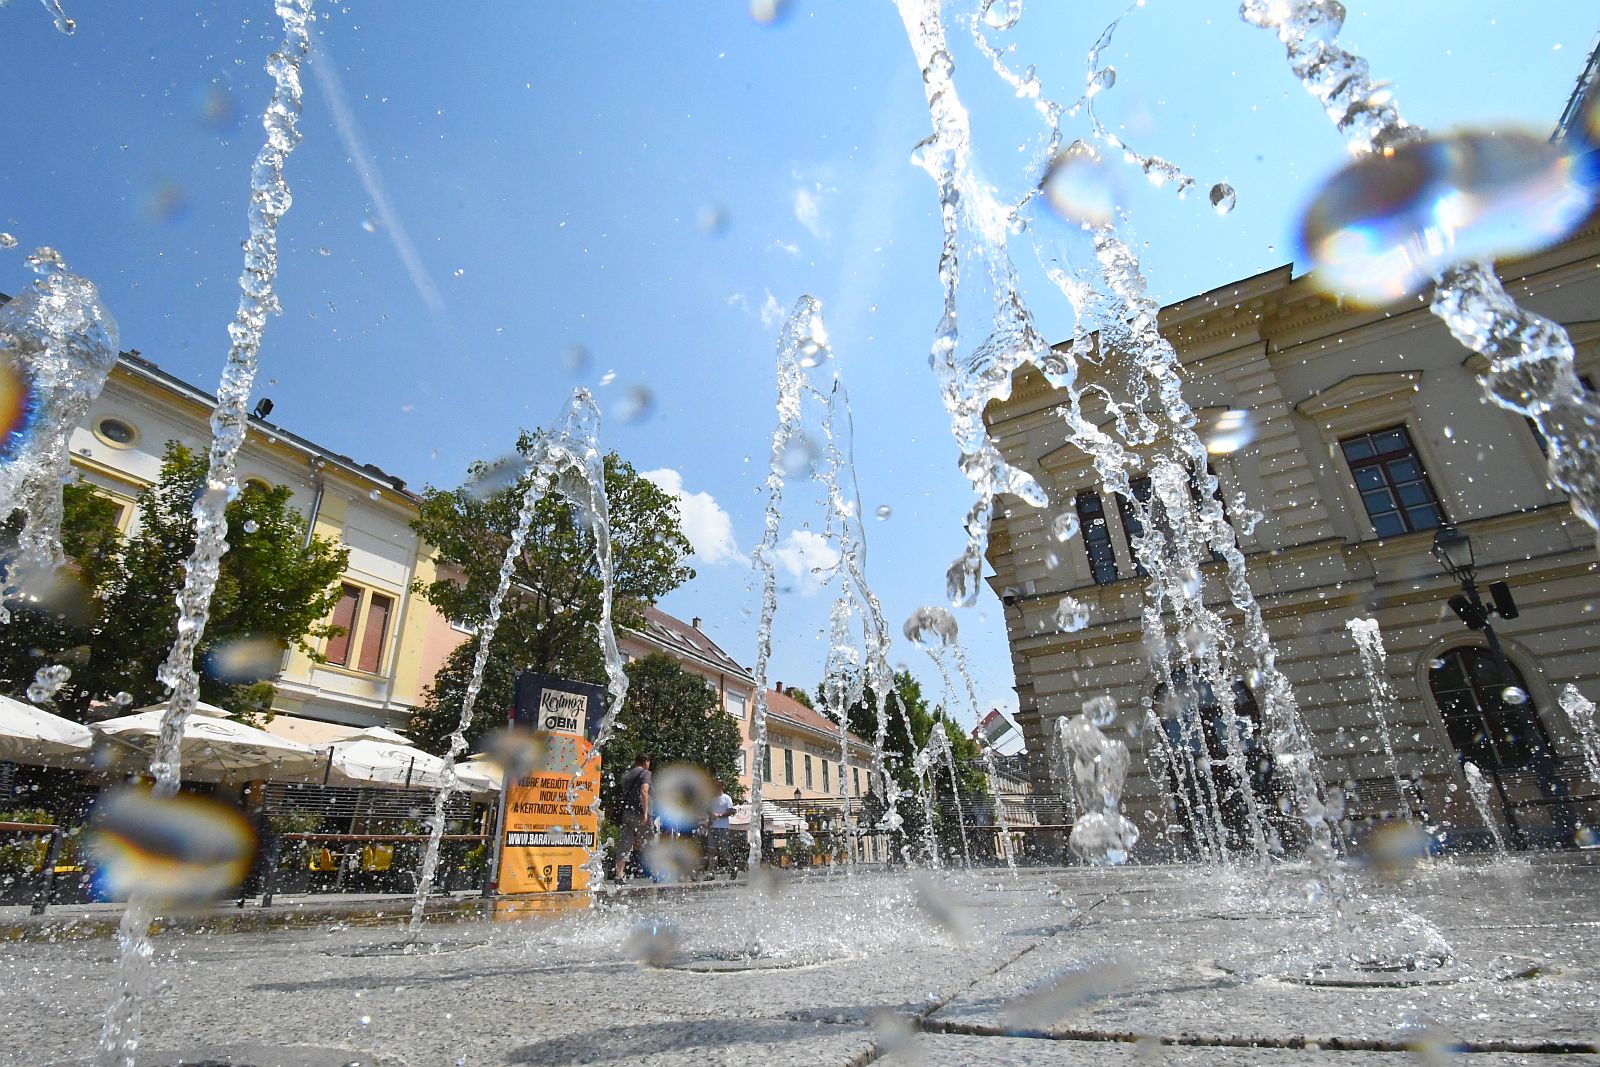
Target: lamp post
(1453, 549)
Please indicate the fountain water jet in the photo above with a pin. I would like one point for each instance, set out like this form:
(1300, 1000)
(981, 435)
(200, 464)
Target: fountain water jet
(1374, 663)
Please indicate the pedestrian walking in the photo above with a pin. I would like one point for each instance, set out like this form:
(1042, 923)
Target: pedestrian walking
(721, 839)
(635, 813)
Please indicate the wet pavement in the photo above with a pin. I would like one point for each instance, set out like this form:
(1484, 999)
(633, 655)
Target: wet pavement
(1139, 966)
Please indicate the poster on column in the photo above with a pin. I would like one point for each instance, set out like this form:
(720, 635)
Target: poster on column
(549, 828)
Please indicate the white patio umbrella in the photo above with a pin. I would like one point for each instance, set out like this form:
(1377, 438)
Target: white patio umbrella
(35, 736)
(214, 747)
(380, 757)
(480, 774)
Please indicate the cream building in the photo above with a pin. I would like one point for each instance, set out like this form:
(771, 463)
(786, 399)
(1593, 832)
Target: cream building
(395, 642)
(1363, 431)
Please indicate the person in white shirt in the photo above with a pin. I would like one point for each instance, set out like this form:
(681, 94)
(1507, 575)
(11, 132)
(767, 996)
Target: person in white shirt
(721, 836)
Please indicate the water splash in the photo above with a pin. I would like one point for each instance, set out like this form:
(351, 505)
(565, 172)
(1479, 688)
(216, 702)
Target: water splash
(57, 344)
(269, 200)
(1101, 835)
(1531, 369)
(58, 15)
(1580, 712)
(1374, 664)
(566, 461)
(1478, 790)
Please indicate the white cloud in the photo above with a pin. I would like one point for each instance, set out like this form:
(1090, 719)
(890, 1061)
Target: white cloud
(772, 314)
(808, 210)
(707, 526)
(802, 553)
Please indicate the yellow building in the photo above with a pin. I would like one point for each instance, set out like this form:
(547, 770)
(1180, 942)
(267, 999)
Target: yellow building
(376, 672)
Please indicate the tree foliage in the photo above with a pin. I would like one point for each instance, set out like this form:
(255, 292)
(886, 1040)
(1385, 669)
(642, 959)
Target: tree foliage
(548, 621)
(112, 614)
(675, 716)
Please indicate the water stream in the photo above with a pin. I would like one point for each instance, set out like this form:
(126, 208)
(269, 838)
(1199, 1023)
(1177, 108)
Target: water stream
(1375, 665)
(565, 461)
(1478, 790)
(1580, 712)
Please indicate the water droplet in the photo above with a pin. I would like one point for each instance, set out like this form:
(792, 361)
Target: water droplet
(246, 659)
(1223, 198)
(1514, 695)
(931, 628)
(798, 454)
(578, 359)
(7, 242)
(671, 859)
(1379, 229)
(1001, 14)
(636, 404)
(1080, 188)
(1064, 526)
(251, 526)
(1101, 80)
(518, 751)
(884, 511)
(123, 699)
(495, 476)
(1232, 430)
(369, 224)
(653, 942)
(324, 251)
(180, 850)
(682, 795)
(769, 12)
(712, 220)
(1100, 710)
(1071, 615)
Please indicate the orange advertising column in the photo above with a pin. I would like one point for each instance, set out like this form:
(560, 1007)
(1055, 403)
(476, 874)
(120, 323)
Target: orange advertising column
(548, 828)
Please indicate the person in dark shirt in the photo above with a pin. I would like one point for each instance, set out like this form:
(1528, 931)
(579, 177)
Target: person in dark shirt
(635, 812)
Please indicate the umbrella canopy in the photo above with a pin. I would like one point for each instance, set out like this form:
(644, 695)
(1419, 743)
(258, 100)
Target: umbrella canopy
(480, 774)
(379, 757)
(33, 735)
(772, 815)
(214, 747)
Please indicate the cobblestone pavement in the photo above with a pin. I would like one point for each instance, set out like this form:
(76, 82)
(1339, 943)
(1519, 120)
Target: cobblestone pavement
(1135, 966)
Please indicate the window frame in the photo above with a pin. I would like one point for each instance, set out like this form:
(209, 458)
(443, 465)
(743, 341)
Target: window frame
(1380, 461)
(356, 637)
(351, 628)
(1087, 520)
(1486, 753)
(788, 766)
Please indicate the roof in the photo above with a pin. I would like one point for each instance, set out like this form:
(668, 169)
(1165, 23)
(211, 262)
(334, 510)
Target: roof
(136, 364)
(785, 707)
(688, 641)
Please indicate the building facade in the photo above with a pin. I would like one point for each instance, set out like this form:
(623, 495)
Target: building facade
(1356, 434)
(395, 640)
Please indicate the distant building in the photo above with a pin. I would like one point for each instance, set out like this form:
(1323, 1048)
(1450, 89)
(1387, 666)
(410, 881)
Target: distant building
(1363, 431)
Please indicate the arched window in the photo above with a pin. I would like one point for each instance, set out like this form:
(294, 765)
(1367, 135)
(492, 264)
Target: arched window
(1490, 718)
(1199, 775)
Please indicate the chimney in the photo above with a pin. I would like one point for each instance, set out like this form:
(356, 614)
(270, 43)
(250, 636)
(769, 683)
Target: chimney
(777, 686)
(695, 622)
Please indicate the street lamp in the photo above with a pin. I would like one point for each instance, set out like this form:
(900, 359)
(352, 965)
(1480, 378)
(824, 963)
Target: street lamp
(1453, 550)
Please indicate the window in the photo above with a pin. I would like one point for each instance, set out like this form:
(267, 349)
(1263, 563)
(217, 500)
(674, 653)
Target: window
(344, 617)
(1393, 486)
(1096, 537)
(808, 771)
(855, 778)
(827, 786)
(1483, 725)
(766, 764)
(788, 766)
(116, 432)
(1140, 488)
(742, 755)
(736, 704)
(379, 610)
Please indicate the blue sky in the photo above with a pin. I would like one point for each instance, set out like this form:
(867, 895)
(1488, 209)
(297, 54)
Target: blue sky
(649, 182)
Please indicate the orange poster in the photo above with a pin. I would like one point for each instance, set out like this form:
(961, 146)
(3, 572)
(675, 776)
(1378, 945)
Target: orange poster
(548, 828)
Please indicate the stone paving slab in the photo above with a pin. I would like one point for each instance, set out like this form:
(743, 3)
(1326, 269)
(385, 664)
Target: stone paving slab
(959, 1050)
(828, 955)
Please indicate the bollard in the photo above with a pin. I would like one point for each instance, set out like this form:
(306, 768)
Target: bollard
(47, 873)
(269, 873)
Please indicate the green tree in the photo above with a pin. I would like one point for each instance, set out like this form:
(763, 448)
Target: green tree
(548, 620)
(274, 590)
(675, 716)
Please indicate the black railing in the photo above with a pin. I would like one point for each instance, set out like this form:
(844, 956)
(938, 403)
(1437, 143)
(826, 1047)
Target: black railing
(45, 884)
